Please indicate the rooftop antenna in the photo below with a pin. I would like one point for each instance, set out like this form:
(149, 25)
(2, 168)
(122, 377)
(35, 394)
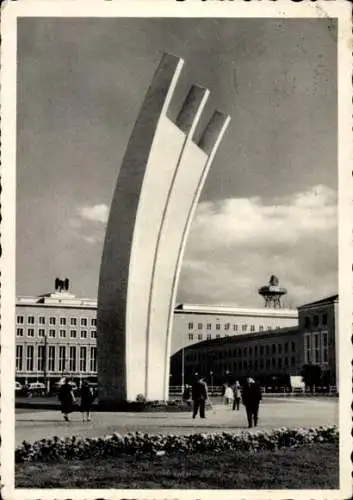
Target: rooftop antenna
(272, 293)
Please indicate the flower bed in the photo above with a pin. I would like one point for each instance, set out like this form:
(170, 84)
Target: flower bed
(138, 443)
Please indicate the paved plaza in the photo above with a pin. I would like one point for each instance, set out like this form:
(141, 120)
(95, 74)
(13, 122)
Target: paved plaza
(274, 413)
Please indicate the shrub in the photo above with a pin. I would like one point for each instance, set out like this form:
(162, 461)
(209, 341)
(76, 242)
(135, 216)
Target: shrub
(138, 443)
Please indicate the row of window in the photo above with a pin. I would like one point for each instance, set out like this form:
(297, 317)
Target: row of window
(53, 333)
(257, 364)
(53, 321)
(246, 351)
(316, 347)
(227, 326)
(315, 321)
(56, 358)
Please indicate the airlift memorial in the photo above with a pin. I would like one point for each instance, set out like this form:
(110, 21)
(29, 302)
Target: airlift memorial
(158, 187)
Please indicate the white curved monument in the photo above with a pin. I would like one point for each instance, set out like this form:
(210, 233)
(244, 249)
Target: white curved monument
(158, 187)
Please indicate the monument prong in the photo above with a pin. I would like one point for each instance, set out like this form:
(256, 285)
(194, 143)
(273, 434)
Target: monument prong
(145, 238)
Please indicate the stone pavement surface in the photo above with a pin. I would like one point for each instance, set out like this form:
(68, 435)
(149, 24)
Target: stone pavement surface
(274, 413)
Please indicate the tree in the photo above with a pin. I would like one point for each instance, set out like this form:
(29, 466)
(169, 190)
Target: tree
(311, 376)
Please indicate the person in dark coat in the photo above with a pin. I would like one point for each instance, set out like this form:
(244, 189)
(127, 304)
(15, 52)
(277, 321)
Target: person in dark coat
(66, 398)
(251, 399)
(199, 397)
(87, 398)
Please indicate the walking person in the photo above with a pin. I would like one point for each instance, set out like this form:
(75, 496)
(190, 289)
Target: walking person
(199, 397)
(87, 398)
(228, 396)
(237, 395)
(66, 398)
(251, 400)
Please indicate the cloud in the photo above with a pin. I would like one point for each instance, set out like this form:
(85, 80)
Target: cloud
(96, 213)
(236, 244)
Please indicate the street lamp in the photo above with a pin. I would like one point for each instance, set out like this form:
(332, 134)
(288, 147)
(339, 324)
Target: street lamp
(182, 369)
(211, 373)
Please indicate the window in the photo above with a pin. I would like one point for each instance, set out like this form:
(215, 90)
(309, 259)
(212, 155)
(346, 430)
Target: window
(286, 347)
(41, 358)
(20, 320)
(307, 323)
(218, 336)
(307, 349)
(209, 336)
(268, 363)
(93, 361)
(261, 328)
(261, 350)
(286, 361)
(83, 334)
(240, 365)
(52, 333)
(255, 350)
(30, 332)
(316, 320)
(199, 326)
(279, 362)
(235, 328)
(293, 346)
(52, 320)
(209, 326)
(199, 336)
(83, 359)
(62, 358)
(255, 364)
(30, 352)
(316, 348)
(41, 320)
(250, 364)
(245, 365)
(72, 359)
(273, 362)
(244, 327)
(218, 326)
(73, 334)
(250, 351)
(324, 319)
(62, 321)
(279, 348)
(261, 363)
(252, 328)
(30, 320)
(94, 322)
(245, 351)
(93, 334)
(292, 360)
(19, 357)
(19, 332)
(191, 326)
(83, 321)
(51, 358)
(267, 349)
(73, 321)
(273, 348)
(324, 347)
(226, 326)
(62, 334)
(41, 332)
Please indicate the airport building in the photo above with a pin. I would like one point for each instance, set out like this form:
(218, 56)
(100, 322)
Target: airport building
(56, 337)
(276, 353)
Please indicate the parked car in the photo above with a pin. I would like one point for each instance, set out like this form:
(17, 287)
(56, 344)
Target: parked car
(18, 388)
(35, 389)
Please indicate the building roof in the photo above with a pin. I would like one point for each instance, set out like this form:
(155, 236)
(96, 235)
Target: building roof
(220, 310)
(57, 299)
(326, 300)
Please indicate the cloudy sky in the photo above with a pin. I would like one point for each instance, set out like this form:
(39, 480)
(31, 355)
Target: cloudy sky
(269, 203)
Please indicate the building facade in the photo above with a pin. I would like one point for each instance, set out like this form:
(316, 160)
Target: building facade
(196, 323)
(266, 353)
(55, 336)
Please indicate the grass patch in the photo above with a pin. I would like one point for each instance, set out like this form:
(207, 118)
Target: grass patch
(307, 467)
